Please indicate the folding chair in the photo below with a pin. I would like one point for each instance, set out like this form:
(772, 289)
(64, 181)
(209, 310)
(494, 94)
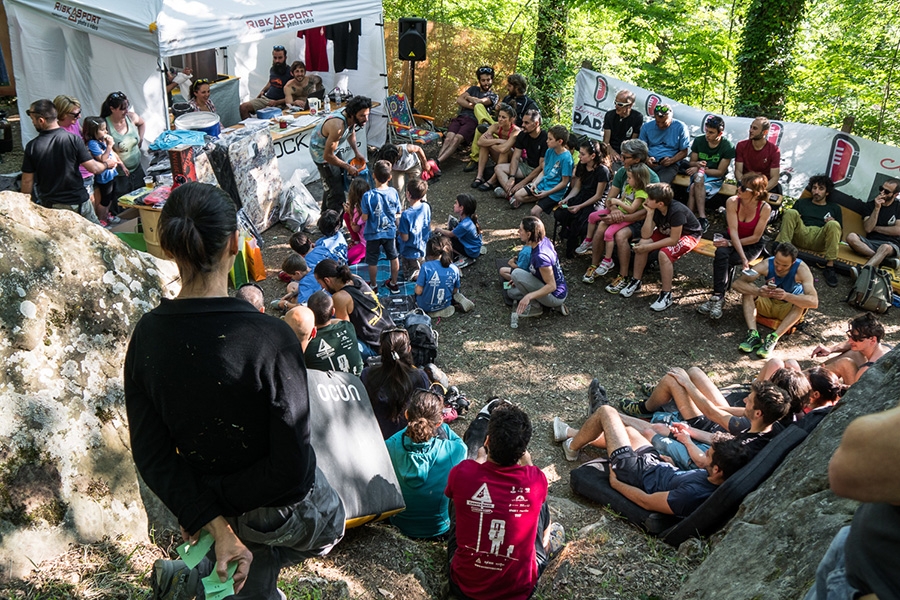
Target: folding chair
(404, 125)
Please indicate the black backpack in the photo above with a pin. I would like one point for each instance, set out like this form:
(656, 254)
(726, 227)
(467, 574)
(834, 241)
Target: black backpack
(872, 290)
(422, 338)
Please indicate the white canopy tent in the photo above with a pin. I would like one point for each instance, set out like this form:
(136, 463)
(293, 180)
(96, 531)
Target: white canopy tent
(89, 49)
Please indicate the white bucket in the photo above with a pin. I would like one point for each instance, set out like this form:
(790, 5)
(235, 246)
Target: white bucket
(207, 122)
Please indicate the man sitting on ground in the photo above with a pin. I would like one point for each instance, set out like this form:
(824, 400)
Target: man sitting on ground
(500, 541)
(758, 155)
(334, 346)
(671, 230)
(815, 224)
(711, 155)
(462, 126)
(882, 224)
(861, 350)
(638, 473)
(788, 293)
(668, 141)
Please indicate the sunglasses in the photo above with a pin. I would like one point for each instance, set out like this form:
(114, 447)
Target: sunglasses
(485, 71)
(76, 114)
(117, 96)
(856, 337)
(623, 104)
(278, 48)
(743, 187)
(882, 190)
(661, 110)
(243, 285)
(200, 82)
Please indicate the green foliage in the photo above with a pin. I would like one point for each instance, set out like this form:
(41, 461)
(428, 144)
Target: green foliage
(766, 60)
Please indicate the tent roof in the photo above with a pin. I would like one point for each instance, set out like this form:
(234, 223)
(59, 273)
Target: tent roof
(173, 27)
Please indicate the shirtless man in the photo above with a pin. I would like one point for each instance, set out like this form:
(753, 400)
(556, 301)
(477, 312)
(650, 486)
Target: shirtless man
(861, 350)
(301, 86)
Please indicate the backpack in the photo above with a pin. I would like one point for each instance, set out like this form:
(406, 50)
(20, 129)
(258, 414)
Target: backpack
(422, 338)
(872, 290)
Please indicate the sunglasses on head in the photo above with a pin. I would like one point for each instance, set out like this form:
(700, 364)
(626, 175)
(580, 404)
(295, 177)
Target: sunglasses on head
(661, 110)
(278, 48)
(117, 96)
(200, 82)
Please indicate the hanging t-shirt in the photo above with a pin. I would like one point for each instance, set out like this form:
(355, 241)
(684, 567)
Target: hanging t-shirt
(316, 49)
(346, 44)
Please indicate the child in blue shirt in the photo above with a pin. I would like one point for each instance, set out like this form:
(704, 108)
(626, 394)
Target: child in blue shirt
(414, 228)
(381, 210)
(437, 286)
(550, 186)
(99, 144)
(466, 235)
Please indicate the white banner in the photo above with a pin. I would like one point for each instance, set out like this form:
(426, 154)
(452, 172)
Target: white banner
(857, 166)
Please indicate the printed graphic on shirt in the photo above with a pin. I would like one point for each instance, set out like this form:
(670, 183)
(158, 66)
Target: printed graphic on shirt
(437, 292)
(493, 553)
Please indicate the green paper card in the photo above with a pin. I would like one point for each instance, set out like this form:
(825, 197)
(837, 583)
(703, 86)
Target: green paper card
(192, 555)
(216, 589)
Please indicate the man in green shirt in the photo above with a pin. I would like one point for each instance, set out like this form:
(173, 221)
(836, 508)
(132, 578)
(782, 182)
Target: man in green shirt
(711, 155)
(814, 224)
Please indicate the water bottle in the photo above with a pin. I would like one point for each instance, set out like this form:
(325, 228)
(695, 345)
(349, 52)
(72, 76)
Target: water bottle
(514, 320)
(327, 108)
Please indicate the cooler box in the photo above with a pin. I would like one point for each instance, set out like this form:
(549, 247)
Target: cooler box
(268, 113)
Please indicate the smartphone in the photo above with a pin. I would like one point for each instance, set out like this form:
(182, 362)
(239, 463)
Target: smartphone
(749, 272)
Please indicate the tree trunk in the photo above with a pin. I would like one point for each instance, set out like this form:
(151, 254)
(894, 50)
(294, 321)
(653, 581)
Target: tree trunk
(765, 61)
(548, 68)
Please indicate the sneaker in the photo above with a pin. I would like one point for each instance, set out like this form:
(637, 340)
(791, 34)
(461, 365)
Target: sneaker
(470, 167)
(284, 277)
(768, 345)
(704, 223)
(590, 274)
(617, 285)
(596, 396)
(706, 307)
(633, 286)
(392, 287)
(492, 404)
(663, 301)
(464, 303)
(534, 310)
(172, 580)
(499, 192)
(563, 310)
(586, 247)
(604, 267)
(830, 276)
(464, 262)
(752, 343)
(854, 274)
(715, 311)
(632, 406)
(571, 455)
(891, 263)
(557, 540)
(113, 219)
(560, 430)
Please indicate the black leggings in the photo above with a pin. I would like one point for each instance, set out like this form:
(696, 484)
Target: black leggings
(727, 257)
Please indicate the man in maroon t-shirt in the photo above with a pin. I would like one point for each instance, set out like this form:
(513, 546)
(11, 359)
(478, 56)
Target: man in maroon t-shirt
(758, 155)
(500, 536)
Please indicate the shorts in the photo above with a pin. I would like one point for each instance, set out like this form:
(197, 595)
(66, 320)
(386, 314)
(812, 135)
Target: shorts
(775, 309)
(677, 451)
(630, 465)
(464, 126)
(259, 103)
(373, 249)
(636, 229)
(524, 169)
(684, 245)
(712, 186)
(547, 204)
(875, 244)
(85, 209)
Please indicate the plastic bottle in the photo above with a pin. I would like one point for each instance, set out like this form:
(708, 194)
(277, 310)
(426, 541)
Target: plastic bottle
(514, 320)
(327, 107)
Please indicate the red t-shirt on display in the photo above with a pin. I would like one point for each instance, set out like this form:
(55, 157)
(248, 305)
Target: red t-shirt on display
(758, 161)
(497, 512)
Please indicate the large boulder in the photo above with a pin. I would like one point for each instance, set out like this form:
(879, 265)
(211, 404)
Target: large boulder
(772, 547)
(70, 295)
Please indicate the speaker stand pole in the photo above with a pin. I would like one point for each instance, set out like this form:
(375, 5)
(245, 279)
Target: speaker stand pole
(412, 86)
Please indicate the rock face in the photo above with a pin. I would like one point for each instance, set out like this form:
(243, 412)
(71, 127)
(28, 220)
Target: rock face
(772, 547)
(70, 295)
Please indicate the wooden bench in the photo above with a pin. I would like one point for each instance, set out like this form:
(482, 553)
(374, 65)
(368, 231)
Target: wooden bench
(728, 190)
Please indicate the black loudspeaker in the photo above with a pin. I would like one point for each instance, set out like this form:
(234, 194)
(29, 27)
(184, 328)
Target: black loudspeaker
(412, 38)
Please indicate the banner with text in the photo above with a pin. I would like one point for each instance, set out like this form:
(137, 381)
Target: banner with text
(857, 166)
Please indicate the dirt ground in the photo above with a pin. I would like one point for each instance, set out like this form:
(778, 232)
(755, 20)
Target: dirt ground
(545, 366)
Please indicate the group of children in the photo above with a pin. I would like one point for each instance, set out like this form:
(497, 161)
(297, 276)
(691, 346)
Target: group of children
(379, 227)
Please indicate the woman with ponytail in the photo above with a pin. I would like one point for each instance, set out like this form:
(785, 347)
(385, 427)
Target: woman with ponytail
(423, 454)
(391, 383)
